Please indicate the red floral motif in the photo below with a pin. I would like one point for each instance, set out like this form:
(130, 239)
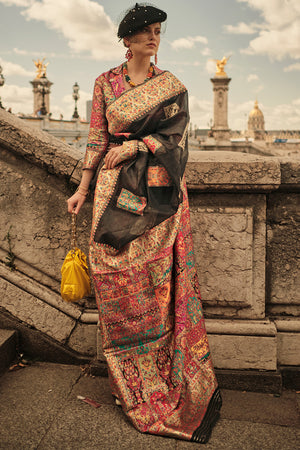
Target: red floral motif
(144, 417)
(159, 402)
(152, 143)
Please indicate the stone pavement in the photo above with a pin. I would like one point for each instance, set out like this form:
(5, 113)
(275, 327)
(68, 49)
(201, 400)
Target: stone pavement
(39, 409)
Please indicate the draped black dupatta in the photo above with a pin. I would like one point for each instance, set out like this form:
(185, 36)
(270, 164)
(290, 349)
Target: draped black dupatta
(155, 117)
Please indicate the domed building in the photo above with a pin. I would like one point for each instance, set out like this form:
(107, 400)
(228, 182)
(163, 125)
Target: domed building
(256, 123)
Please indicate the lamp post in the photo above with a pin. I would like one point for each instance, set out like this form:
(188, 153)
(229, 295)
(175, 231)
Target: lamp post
(2, 81)
(43, 109)
(76, 97)
(43, 90)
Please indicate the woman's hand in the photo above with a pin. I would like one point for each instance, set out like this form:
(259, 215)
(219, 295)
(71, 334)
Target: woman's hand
(113, 157)
(119, 153)
(75, 202)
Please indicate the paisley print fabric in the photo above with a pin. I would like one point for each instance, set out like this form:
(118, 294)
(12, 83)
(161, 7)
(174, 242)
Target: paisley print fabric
(158, 176)
(147, 291)
(130, 202)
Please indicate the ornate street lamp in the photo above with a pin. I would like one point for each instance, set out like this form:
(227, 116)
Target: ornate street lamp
(76, 97)
(43, 89)
(2, 81)
(43, 109)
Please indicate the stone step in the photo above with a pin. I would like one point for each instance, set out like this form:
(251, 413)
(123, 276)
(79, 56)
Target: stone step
(8, 344)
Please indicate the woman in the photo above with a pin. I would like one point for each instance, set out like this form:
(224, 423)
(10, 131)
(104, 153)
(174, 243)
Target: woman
(141, 251)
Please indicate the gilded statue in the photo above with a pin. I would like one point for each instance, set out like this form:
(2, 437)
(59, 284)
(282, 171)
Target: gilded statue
(221, 63)
(40, 68)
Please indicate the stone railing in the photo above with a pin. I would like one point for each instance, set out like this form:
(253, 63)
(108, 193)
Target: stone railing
(244, 220)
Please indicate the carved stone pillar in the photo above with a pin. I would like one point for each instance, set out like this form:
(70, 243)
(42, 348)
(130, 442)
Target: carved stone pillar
(220, 127)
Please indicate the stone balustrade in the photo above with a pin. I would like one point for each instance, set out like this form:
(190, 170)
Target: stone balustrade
(245, 226)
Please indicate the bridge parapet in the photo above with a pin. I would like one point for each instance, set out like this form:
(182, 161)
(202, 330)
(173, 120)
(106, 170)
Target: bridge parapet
(244, 220)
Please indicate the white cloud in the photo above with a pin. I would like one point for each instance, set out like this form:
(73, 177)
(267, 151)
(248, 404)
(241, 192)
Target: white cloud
(282, 117)
(278, 44)
(201, 112)
(258, 88)
(280, 34)
(182, 63)
(188, 42)
(238, 114)
(22, 52)
(19, 99)
(210, 66)
(206, 51)
(84, 24)
(276, 12)
(252, 77)
(241, 28)
(16, 2)
(10, 69)
(17, 51)
(292, 67)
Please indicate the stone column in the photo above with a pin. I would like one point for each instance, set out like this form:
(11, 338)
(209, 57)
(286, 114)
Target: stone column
(220, 127)
(37, 94)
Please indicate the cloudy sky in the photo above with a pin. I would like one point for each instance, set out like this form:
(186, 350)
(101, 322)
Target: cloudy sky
(78, 39)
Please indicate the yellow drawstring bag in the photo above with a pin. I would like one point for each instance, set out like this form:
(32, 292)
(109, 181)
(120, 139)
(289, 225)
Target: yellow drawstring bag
(75, 279)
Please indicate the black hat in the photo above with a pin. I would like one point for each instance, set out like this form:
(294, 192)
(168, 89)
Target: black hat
(139, 17)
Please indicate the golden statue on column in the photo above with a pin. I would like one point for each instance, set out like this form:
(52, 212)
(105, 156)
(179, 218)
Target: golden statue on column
(41, 68)
(220, 64)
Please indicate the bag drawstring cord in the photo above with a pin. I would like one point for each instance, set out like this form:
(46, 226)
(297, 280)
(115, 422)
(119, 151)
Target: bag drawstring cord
(74, 232)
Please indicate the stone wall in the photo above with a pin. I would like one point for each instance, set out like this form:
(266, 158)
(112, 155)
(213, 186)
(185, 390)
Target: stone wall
(244, 220)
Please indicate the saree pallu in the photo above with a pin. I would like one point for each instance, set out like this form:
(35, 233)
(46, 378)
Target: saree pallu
(146, 286)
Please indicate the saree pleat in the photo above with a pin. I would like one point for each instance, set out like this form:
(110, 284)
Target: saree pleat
(147, 291)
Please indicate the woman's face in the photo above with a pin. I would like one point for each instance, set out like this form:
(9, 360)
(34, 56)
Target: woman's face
(146, 41)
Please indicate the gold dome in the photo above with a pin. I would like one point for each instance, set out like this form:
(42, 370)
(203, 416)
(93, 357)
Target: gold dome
(256, 123)
(256, 112)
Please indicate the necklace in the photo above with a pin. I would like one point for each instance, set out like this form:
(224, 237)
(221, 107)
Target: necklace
(128, 79)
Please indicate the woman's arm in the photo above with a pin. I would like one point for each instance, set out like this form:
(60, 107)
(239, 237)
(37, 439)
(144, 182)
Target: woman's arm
(96, 147)
(77, 200)
(98, 134)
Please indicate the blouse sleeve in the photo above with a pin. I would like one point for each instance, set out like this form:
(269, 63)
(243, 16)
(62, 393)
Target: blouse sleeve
(98, 134)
